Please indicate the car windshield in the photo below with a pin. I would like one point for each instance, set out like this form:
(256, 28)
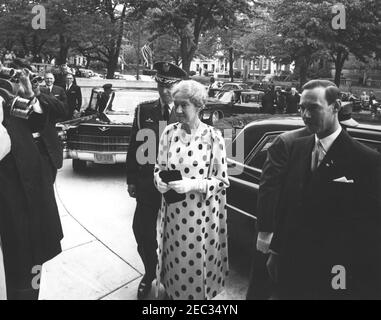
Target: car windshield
(246, 98)
(226, 96)
(125, 102)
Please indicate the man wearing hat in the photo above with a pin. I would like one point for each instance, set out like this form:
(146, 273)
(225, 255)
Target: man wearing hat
(140, 176)
(104, 98)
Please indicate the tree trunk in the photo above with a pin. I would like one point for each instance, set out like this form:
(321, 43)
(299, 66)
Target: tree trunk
(114, 56)
(138, 55)
(186, 62)
(231, 62)
(341, 57)
(112, 66)
(64, 50)
(88, 61)
(187, 54)
(303, 71)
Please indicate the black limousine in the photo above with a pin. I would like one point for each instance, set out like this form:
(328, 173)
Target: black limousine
(103, 137)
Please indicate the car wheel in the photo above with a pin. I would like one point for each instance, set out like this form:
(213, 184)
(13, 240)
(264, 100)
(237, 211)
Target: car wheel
(215, 117)
(79, 165)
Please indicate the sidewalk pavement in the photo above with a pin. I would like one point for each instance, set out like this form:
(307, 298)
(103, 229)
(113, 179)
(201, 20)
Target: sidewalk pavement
(89, 269)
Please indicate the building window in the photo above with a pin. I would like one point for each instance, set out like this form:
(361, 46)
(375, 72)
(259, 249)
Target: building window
(265, 62)
(256, 64)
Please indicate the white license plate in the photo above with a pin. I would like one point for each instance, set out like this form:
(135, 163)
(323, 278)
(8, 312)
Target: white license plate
(104, 158)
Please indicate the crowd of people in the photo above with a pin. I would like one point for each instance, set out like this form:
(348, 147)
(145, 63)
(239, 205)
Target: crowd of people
(319, 200)
(7, 57)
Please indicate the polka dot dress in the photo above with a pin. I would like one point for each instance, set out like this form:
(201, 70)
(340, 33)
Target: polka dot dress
(193, 257)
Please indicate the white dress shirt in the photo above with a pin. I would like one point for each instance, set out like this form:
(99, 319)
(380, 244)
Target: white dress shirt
(327, 142)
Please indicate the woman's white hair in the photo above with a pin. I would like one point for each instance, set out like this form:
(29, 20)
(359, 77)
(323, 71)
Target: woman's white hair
(192, 90)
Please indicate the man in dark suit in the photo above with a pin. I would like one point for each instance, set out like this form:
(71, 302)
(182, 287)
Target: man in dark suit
(292, 101)
(56, 102)
(329, 210)
(55, 91)
(74, 97)
(268, 101)
(30, 227)
(272, 181)
(140, 175)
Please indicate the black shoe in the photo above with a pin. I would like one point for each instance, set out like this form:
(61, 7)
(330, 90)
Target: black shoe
(144, 288)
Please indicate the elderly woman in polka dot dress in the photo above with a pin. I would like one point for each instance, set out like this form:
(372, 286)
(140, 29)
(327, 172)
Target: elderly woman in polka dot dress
(193, 256)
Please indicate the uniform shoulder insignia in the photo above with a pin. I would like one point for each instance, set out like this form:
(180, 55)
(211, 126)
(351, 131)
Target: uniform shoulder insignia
(147, 103)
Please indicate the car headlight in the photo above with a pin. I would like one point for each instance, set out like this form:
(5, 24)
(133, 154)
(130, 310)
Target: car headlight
(205, 115)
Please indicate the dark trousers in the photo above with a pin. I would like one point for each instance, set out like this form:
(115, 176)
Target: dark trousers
(144, 227)
(261, 287)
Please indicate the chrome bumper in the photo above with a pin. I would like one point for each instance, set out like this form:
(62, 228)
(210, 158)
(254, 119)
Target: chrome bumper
(96, 157)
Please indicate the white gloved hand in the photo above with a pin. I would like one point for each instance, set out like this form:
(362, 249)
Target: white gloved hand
(187, 185)
(161, 186)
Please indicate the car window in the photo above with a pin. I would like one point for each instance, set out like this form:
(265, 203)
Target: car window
(94, 100)
(225, 96)
(259, 154)
(246, 98)
(126, 102)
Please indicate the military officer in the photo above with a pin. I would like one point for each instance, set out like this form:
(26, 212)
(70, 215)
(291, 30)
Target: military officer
(140, 175)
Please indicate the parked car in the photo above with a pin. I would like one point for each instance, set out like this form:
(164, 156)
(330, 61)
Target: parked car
(245, 172)
(234, 86)
(103, 137)
(84, 73)
(231, 103)
(350, 97)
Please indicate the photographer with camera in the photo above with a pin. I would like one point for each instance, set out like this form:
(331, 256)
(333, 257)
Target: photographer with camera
(30, 226)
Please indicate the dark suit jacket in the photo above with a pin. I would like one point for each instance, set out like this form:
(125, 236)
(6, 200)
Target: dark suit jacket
(54, 110)
(324, 223)
(273, 178)
(268, 101)
(59, 93)
(292, 102)
(74, 99)
(147, 116)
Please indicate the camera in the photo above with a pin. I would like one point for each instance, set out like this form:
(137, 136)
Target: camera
(14, 105)
(15, 74)
(8, 72)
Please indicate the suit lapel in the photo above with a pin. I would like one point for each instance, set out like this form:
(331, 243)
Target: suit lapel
(304, 157)
(334, 163)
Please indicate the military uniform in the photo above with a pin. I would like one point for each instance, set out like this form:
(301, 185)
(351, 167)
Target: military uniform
(148, 199)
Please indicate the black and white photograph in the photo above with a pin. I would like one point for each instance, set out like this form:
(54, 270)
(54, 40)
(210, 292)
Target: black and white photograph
(162, 151)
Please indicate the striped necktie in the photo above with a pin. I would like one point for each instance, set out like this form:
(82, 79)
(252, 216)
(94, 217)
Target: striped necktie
(318, 154)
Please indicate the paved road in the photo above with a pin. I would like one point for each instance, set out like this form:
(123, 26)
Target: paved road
(100, 260)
